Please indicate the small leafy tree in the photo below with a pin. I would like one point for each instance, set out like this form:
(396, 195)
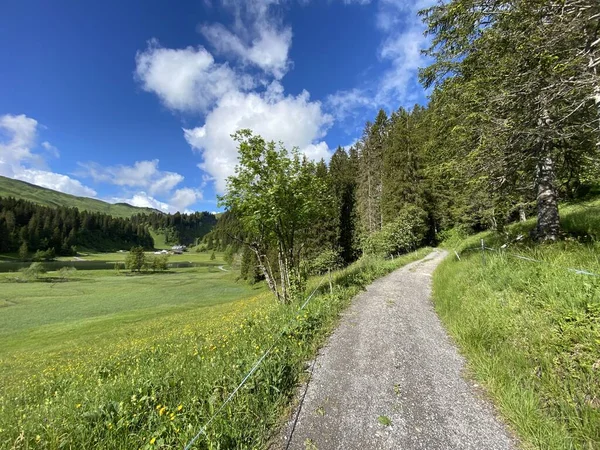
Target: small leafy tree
(23, 251)
(213, 256)
(44, 255)
(34, 271)
(136, 259)
(159, 263)
(66, 272)
(276, 196)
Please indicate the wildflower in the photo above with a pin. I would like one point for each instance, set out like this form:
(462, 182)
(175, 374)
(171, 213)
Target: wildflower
(180, 407)
(152, 441)
(78, 405)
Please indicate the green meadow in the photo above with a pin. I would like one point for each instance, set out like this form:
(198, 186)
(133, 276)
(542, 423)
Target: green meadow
(108, 359)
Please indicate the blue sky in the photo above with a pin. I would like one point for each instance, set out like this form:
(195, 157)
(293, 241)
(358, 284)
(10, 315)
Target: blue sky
(135, 101)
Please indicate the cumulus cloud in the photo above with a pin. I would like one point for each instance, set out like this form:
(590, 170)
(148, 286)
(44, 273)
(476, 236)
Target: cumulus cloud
(257, 37)
(18, 159)
(55, 181)
(188, 79)
(180, 200)
(142, 174)
(183, 198)
(294, 120)
(268, 50)
(143, 200)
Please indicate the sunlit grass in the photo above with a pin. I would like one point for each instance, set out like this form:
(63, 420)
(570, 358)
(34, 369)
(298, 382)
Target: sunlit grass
(531, 331)
(160, 360)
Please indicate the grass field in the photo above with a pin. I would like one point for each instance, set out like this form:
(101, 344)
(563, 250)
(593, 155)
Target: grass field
(48, 197)
(190, 256)
(531, 330)
(114, 361)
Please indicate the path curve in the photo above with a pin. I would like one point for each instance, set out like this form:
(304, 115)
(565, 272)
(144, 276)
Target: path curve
(391, 359)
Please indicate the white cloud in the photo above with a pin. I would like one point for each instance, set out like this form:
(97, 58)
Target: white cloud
(296, 121)
(19, 134)
(55, 181)
(143, 200)
(179, 201)
(346, 103)
(256, 37)
(185, 79)
(402, 41)
(51, 149)
(142, 174)
(267, 50)
(182, 198)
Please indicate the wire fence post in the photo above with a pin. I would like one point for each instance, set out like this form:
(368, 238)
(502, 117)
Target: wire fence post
(482, 252)
(330, 282)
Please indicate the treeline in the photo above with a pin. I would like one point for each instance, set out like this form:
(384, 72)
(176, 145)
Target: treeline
(28, 227)
(179, 228)
(511, 127)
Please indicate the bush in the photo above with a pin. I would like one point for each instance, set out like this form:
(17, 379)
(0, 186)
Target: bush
(66, 272)
(328, 259)
(403, 235)
(45, 255)
(159, 263)
(34, 271)
(136, 259)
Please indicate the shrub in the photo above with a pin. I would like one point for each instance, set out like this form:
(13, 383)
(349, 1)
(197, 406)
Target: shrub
(33, 271)
(404, 234)
(136, 259)
(159, 263)
(44, 255)
(66, 272)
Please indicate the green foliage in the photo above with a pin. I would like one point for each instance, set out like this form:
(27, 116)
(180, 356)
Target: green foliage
(229, 255)
(45, 255)
(324, 261)
(23, 251)
(34, 271)
(212, 256)
(404, 234)
(66, 272)
(157, 263)
(277, 197)
(136, 259)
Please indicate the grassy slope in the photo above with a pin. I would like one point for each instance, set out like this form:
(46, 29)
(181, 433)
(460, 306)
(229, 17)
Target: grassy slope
(76, 374)
(531, 331)
(48, 197)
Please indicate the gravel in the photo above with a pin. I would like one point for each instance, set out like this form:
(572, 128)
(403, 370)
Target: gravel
(390, 378)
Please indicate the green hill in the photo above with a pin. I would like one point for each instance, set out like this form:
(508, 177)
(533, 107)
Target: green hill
(48, 197)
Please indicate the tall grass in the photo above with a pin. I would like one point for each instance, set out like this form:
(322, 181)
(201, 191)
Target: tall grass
(157, 389)
(531, 330)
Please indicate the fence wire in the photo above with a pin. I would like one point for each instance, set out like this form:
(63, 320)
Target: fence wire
(254, 368)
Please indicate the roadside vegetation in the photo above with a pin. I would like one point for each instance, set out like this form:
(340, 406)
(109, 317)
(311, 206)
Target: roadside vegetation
(531, 330)
(142, 362)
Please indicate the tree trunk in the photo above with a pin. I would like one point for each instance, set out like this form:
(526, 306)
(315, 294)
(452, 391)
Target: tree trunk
(548, 223)
(267, 274)
(522, 215)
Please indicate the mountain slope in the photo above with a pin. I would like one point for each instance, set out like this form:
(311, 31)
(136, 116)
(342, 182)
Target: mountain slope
(48, 197)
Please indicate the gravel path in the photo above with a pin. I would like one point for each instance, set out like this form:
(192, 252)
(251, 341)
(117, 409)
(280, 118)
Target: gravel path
(390, 378)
